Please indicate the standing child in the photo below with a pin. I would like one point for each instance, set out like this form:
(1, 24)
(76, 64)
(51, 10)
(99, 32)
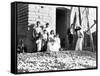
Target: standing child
(44, 35)
(44, 40)
(47, 28)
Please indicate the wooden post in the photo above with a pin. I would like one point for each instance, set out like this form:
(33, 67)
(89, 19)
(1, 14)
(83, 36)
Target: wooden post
(91, 38)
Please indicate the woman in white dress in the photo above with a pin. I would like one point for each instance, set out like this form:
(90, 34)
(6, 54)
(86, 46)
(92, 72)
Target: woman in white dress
(56, 46)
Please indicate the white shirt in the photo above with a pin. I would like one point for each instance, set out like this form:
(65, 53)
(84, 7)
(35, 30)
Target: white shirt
(45, 36)
(38, 29)
(48, 30)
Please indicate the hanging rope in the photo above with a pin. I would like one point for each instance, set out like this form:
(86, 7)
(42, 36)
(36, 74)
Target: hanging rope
(79, 16)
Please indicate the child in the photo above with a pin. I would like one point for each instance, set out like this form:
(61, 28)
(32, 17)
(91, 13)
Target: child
(47, 28)
(44, 35)
(51, 35)
(44, 40)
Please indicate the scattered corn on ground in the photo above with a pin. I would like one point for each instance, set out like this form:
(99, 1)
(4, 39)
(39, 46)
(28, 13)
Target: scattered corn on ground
(50, 61)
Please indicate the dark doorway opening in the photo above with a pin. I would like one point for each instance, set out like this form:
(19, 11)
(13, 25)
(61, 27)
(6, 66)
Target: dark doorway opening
(62, 24)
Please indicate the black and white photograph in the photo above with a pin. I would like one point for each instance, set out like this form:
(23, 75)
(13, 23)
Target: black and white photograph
(54, 37)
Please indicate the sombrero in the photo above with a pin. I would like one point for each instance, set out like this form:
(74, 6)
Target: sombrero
(78, 28)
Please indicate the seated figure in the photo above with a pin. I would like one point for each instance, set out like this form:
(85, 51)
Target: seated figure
(54, 44)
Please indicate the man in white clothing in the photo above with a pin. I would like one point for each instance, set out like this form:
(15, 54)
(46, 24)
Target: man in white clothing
(79, 43)
(38, 29)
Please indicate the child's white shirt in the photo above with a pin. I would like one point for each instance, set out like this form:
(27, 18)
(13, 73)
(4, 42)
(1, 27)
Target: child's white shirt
(45, 36)
(48, 30)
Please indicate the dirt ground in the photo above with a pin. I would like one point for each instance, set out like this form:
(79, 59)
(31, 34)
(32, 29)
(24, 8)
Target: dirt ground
(49, 61)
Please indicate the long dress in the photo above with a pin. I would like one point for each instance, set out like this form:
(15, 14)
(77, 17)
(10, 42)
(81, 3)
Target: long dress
(54, 45)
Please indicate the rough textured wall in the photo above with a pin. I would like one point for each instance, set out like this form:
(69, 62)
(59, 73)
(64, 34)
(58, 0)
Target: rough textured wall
(42, 13)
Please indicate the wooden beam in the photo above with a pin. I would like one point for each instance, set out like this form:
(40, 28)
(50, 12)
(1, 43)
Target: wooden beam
(91, 38)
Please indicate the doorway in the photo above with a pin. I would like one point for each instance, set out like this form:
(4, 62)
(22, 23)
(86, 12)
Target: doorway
(62, 24)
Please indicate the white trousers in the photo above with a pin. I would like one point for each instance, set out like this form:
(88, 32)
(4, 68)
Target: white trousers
(79, 44)
(39, 47)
